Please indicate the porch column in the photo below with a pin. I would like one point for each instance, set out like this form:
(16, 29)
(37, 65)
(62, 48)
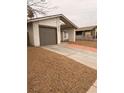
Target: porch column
(58, 31)
(36, 34)
(71, 33)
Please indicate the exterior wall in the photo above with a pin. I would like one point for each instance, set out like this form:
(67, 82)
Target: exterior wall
(71, 35)
(30, 33)
(58, 30)
(64, 35)
(48, 22)
(54, 22)
(36, 34)
(35, 30)
(87, 33)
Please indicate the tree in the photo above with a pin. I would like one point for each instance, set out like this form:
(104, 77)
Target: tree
(37, 7)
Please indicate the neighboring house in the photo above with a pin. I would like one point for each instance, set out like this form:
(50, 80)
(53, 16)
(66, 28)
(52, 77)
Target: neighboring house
(86, 33)
(50, 30)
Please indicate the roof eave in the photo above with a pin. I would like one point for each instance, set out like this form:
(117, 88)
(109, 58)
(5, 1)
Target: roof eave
(53, 16)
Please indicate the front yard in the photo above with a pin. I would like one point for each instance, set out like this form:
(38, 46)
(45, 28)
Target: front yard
(86, 43)
(49, 72)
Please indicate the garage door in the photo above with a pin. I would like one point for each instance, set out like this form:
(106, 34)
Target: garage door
(48, 36)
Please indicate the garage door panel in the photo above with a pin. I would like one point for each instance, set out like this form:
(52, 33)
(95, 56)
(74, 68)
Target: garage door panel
(47, 36)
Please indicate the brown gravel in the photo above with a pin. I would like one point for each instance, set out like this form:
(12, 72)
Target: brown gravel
(49, 72)
(86, 43)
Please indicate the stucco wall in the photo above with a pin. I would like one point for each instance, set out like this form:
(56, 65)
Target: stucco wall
(58, 23)
(30, 32)
(36, 34)
(64, 35)
(55, 22)
(87, 33)
(48, 22)
(71, 35)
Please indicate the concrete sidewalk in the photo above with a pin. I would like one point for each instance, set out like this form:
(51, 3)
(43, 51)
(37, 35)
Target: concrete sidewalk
(93, 88)
(80, 55)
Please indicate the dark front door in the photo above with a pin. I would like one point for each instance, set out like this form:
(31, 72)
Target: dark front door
(48, 36)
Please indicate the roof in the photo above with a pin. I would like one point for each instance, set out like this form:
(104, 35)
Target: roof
(61, 16)
(87, 28)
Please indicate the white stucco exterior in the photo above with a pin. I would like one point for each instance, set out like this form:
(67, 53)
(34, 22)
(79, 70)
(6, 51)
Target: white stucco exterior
(64, 35)
(36, 34)
(30, 34)
(53, 22)
(48, 22)
(58, 24)
(71, 35)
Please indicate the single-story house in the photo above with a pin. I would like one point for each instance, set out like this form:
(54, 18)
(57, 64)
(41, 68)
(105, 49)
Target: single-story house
(86, 33)
(50, 30)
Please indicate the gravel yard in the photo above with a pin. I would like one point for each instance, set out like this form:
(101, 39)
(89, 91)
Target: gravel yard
(50, 72)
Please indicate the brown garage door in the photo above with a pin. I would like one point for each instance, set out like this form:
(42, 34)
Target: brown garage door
(48, 36)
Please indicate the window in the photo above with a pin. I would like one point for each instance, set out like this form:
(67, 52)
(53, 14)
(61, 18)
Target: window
(79, 33)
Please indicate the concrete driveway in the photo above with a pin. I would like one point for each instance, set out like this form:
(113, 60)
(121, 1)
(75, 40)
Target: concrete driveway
(83, 56)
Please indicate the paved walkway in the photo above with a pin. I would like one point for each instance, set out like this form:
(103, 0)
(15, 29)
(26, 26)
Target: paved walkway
(93, 88)
(82, 54)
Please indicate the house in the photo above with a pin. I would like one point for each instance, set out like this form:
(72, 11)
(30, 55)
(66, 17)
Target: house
(86, 33)
(50, 30)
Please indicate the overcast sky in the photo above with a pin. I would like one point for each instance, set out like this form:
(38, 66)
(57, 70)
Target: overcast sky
(80, 12)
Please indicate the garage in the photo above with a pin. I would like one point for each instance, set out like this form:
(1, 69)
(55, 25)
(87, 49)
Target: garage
(48, 35)
(48, 30)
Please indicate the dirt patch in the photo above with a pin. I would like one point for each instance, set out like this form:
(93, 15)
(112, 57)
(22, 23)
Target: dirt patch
(49, 72)
(86, 43)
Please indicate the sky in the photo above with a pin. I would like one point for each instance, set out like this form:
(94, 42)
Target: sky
(81, 12)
